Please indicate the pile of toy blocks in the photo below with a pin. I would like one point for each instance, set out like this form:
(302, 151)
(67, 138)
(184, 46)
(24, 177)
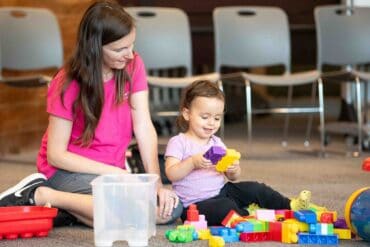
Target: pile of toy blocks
(286, 226)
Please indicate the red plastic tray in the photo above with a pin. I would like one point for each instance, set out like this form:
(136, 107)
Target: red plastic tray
(26, 221)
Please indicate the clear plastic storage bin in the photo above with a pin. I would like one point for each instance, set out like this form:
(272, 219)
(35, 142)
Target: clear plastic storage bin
(124, 208)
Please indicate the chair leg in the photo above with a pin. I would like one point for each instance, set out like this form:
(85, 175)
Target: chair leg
(310, 118)
(284, 143)
(359, 116)
(248, 101)
(322, 120)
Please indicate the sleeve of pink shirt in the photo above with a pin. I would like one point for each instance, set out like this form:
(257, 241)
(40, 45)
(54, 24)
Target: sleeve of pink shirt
(138, 76)
(55, 106)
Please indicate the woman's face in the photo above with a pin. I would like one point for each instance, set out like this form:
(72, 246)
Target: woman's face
(118, 53)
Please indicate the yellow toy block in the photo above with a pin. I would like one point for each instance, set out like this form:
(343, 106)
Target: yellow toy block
(230, 157)
(302, 227)
(343, 233)
(216, 241)
(289, 232)
(204, 234)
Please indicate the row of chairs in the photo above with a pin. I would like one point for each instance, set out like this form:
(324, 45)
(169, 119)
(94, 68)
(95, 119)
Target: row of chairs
(249, 37)
(244, 37)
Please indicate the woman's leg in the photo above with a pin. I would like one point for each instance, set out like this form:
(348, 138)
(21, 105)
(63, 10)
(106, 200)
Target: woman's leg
(79, 205)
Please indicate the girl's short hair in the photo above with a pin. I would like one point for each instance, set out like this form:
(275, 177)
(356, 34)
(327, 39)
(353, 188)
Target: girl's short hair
(200, 88)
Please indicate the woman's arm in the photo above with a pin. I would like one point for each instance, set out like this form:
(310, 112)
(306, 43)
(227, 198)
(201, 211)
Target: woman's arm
(59, 133)
(146, 138)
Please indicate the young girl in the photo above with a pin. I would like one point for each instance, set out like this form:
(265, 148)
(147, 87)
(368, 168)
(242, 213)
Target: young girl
(195, 179)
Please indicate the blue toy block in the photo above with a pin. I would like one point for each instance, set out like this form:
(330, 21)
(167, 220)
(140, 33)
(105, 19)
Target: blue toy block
(229, 235)
(306, 238)
(215, 230)
(307, 216)
(245, 227)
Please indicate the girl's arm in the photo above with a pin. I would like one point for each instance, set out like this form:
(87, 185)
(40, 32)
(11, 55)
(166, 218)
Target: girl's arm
(59, 133)
(177, 170)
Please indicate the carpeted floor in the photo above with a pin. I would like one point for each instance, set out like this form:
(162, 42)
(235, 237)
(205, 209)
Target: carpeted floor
(289, 170)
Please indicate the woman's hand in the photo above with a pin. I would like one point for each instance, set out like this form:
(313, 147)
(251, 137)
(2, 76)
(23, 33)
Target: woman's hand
(200, 162)
(168, 200)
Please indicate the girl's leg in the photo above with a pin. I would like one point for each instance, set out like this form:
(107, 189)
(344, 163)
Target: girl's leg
(246, 193)
(216, 209)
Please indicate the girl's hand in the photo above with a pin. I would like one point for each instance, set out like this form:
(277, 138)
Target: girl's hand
(233, 171)
(200, 162)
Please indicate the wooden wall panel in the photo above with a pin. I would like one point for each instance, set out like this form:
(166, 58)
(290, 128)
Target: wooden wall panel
(23, 110)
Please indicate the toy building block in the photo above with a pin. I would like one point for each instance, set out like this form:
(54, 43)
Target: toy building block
(289, 232)
(231, 156)
(200, 224)
(244, 227)
(326, 218)
(215, 154)
(216, 241)
(323, 216)
(306, 238)
(302, 227)
(204, 234)
(215, 230)
(321, 229)
(343, 233)
(230, 217)
(254, 236)
(265, 214)
(258, 225)
(275, 229)
(229, 235)
(340, 223)
(192, 214)
(182, 234)
(307, 216)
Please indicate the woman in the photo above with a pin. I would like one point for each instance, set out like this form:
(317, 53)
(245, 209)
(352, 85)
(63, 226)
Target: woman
(95, 104)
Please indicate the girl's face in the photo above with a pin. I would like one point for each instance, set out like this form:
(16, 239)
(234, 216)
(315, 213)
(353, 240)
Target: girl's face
(118, 53)
(204, 117)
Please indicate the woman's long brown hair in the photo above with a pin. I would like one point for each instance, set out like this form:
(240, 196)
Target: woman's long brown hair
(102, 23)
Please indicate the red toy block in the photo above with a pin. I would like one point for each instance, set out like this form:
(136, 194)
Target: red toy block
(289, 214)
(275, 229)
(254, 236)
(327, 218)
(26, 221)
(230, 217)
(366, 165)
(192, 214)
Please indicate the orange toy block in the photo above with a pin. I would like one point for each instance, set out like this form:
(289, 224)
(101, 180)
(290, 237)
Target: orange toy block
(230, 218)
(231, 156)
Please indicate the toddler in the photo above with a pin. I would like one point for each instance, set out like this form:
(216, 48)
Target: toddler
(195, 179)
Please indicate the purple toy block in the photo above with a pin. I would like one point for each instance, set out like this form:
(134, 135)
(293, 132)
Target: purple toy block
(340, 223)
(214, 154)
